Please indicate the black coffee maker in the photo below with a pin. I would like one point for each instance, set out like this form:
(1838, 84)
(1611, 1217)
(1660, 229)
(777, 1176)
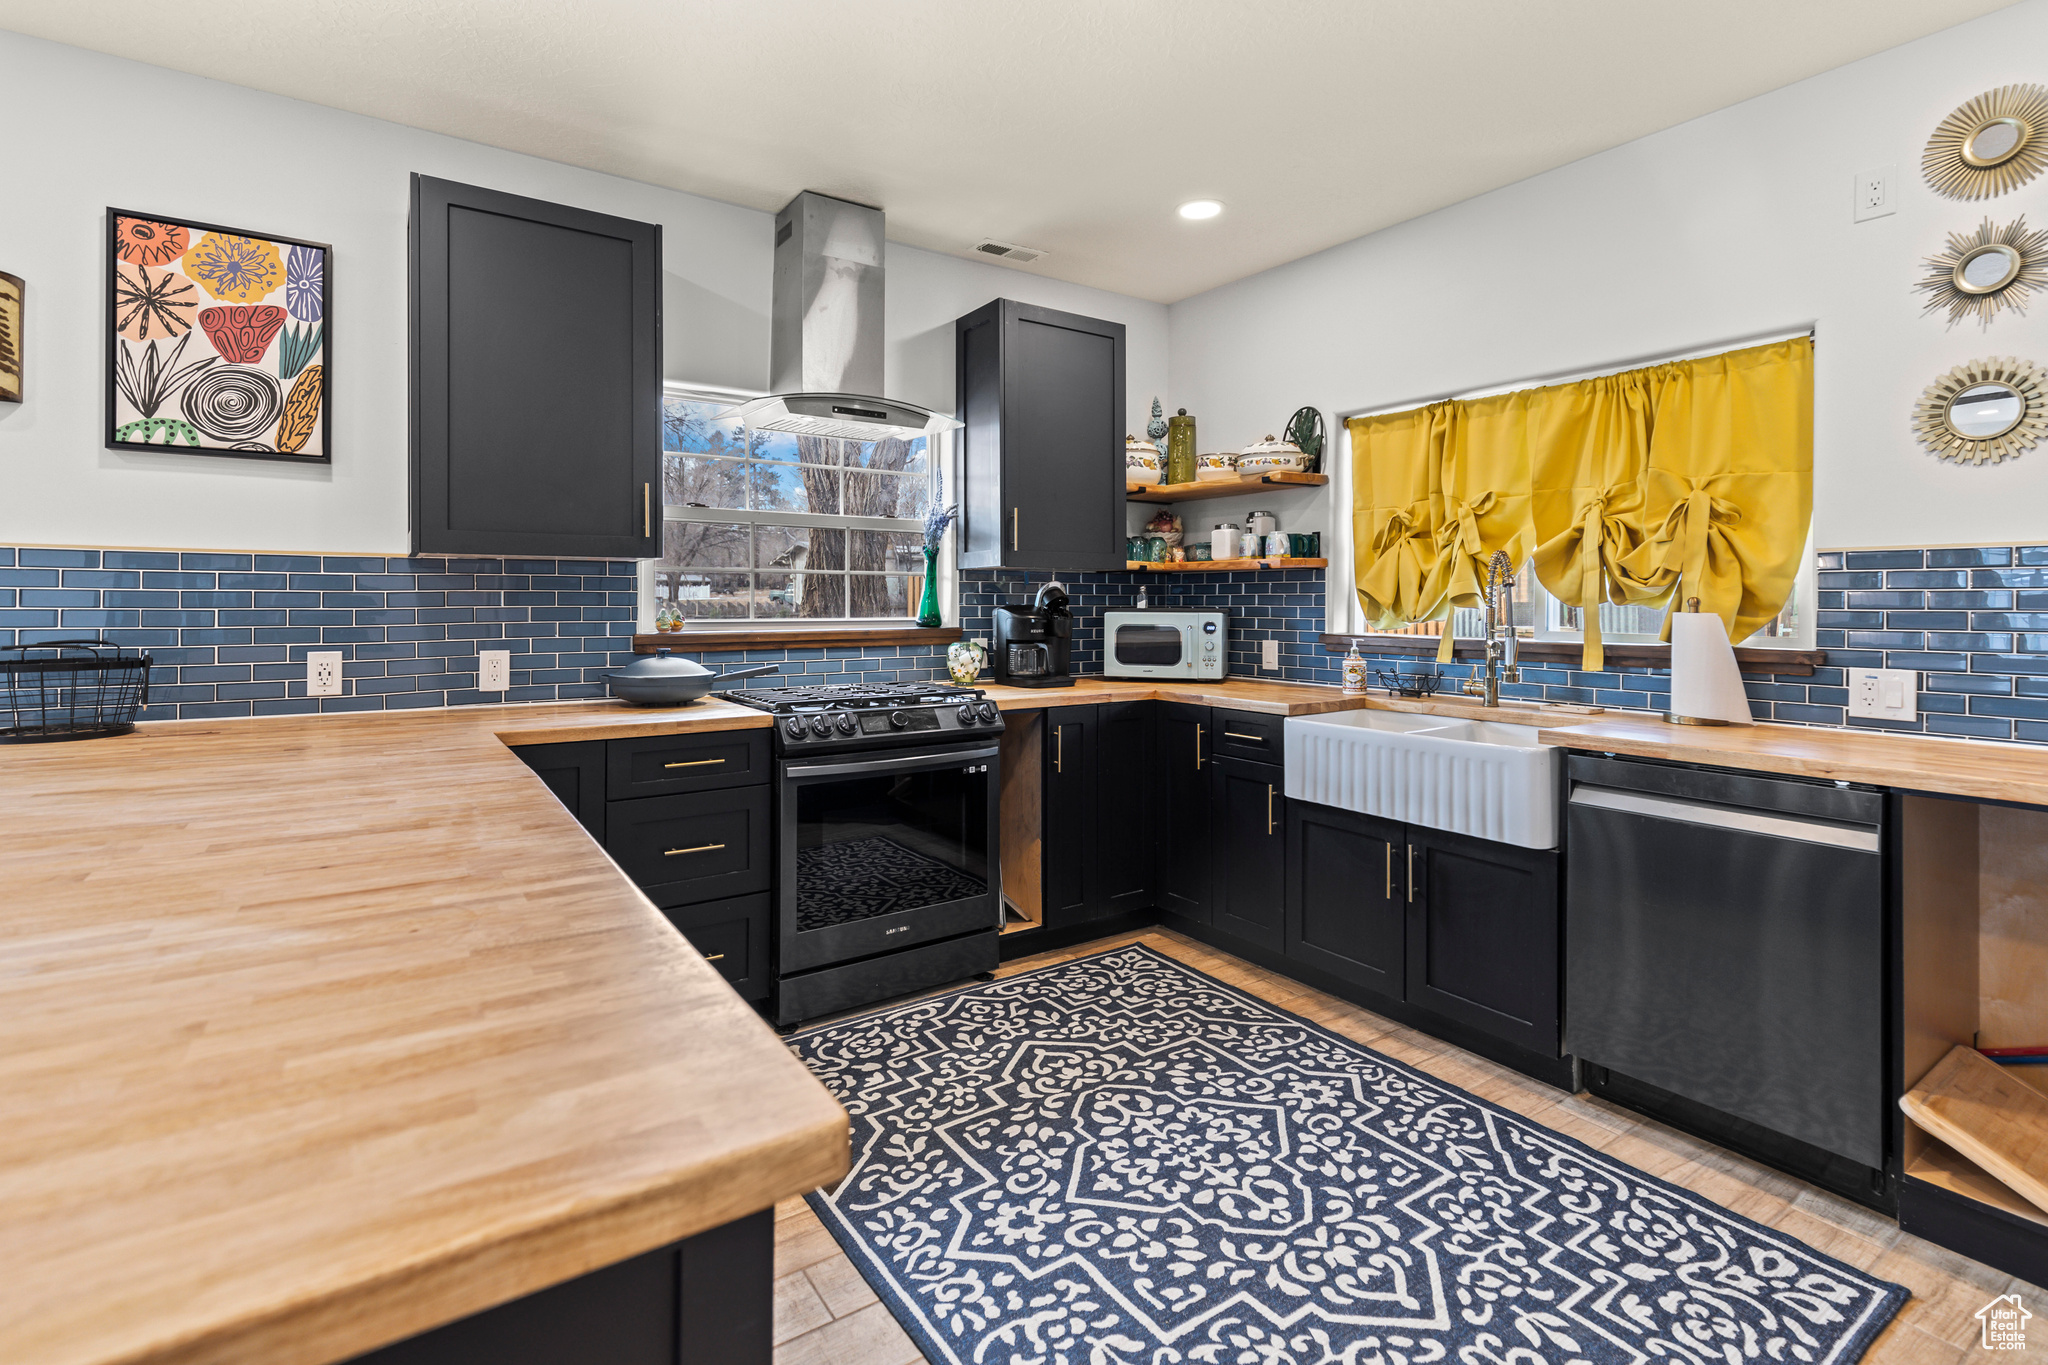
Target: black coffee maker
(1033, 643)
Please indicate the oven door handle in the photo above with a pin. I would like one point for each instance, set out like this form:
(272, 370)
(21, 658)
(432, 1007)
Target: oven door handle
(887, 763)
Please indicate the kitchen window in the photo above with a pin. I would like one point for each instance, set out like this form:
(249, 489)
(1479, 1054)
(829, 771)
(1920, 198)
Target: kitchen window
(1539, 616)
(771, 527)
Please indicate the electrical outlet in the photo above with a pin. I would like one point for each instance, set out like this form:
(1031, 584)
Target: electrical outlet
(1269, 654)
(1873, 193)
(323, 673)
(1884, 693)
(494, 670)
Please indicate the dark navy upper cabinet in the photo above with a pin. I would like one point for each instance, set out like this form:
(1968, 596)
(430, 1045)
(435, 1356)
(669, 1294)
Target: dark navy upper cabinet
(1042, 396)
(536, 377)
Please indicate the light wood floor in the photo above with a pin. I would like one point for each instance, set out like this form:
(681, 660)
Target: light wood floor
(826, 1315)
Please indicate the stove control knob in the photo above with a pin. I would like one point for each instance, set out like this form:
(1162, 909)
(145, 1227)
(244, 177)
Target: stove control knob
(899, 719)
(845, 723)
(820, 726)
(987, 709)
(795, 726)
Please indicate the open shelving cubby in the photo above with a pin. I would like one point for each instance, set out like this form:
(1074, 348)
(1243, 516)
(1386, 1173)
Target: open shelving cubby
(1973, 902)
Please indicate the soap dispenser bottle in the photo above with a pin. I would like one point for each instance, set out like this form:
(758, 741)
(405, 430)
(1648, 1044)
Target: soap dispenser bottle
(1354, 670)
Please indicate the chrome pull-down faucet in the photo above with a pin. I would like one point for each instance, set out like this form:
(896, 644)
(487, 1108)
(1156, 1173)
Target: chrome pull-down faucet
(1500, 640)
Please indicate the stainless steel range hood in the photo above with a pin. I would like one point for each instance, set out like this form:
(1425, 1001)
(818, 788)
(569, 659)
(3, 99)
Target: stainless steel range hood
(825, 330)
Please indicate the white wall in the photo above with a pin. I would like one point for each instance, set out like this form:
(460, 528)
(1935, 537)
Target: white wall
(94, 131)
(1732, 225)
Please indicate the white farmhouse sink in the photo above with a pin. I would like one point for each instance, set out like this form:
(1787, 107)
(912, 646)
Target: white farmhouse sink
(1486, 778)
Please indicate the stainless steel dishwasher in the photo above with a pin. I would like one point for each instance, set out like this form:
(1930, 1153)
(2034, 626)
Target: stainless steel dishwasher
(1725, 944)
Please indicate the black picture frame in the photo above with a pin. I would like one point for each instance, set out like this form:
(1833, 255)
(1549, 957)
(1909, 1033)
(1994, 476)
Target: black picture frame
(112, 311)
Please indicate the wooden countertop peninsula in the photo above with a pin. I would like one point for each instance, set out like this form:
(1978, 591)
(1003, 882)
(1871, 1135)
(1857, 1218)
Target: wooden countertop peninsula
(316, 1032)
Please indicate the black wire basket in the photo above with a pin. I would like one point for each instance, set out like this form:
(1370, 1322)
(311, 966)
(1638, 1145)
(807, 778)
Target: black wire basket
(69, 689)
(1417, 684)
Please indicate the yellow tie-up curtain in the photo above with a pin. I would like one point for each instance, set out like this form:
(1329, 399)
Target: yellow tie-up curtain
(1694, 479)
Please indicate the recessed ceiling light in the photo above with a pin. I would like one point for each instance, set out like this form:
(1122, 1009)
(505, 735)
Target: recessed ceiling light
(1200, 208)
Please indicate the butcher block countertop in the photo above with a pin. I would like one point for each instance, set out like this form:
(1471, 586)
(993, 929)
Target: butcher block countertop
(316, 1032)
(1921, 763)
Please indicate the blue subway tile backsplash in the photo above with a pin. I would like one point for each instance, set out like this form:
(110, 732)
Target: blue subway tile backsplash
(229, 632)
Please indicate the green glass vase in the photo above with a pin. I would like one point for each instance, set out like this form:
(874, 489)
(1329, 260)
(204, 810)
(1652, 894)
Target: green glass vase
(928, 608)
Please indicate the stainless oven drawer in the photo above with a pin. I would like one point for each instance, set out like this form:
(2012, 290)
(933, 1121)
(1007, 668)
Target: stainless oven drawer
(822, 992)
(697, 847)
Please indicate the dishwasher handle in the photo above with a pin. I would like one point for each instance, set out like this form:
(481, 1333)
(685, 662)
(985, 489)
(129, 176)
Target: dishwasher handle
(1857, 838)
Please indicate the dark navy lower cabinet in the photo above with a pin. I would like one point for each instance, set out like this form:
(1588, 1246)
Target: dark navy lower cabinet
(706, 1300)
(733, 937)
(1483, 935)
(1346, 882)
(1248, 845)
(1184, 746)
(575, 774)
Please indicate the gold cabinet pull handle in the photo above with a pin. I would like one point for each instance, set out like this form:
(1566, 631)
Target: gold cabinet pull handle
(1198, 748)
(1390, 871)
(1232, 734)
(1059, 748)
(1269, 808)
(1014, 533)
(714, 957)
(1411, 874)
(693, 763)
(646, 511)
(701, 848)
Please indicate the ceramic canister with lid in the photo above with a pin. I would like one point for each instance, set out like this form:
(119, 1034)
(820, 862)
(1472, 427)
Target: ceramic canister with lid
(1224, 540)
(1264, 523)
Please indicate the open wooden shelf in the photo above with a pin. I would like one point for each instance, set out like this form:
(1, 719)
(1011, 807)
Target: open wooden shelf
(1947, 1169)
(1997, 1121)
(1221, 565)
(1220, 488)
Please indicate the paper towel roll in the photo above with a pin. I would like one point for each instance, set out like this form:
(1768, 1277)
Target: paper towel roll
(1706, 682)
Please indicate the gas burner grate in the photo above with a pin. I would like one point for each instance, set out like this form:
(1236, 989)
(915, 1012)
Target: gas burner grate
(832, 696)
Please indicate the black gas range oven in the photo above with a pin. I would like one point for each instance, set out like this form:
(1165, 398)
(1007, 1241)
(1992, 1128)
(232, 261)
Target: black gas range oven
(888, 859)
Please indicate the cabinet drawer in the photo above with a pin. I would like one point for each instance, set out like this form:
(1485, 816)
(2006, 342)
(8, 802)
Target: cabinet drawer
(664, 764)
(696, 847)
(733, 937)
(1249, 734)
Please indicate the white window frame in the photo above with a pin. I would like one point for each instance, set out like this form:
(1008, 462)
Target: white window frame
(1343, 614)
(940, 453)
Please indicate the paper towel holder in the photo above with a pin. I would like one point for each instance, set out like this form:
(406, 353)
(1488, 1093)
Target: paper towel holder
(1692, 605)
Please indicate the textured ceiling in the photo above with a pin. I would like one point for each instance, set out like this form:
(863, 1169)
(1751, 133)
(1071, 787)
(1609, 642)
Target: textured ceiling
(1075, 126)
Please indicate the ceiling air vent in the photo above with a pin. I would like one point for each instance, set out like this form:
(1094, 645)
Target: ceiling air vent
(1009, 251)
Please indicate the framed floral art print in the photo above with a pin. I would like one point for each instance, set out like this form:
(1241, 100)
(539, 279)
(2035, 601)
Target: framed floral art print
(217, 340)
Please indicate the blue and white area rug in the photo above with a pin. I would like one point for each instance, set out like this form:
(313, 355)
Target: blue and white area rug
(1123, 1161)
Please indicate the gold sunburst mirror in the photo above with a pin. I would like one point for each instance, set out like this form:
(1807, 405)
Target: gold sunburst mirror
(1987, 270)
(1983, 412)
(1996, 142)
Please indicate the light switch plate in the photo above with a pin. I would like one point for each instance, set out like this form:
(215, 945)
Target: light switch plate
(1269, 654)
(1876, 193)
(494, 670)
(1884, 693)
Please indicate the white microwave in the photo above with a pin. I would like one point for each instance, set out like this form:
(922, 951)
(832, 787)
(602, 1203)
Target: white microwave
(1166, 642)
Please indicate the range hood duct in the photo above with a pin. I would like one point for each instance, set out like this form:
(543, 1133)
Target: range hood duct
(825, 329)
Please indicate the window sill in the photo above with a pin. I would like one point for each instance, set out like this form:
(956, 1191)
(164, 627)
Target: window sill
(754, 635)
(1795, 663)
